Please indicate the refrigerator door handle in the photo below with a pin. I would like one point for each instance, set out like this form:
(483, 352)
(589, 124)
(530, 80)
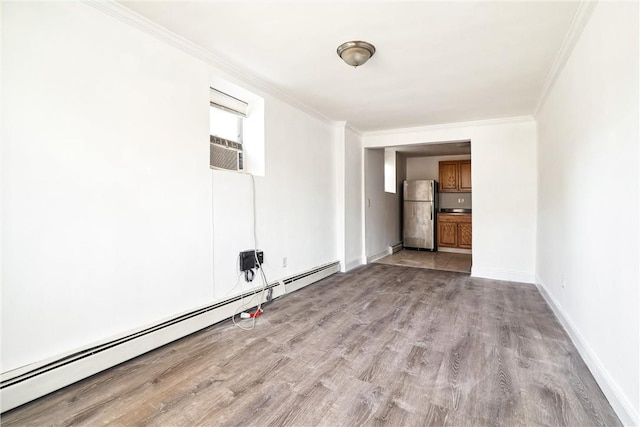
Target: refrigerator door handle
(431, 211)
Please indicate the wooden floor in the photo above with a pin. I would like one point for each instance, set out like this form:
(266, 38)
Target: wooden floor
(447, 261)
(380, 345)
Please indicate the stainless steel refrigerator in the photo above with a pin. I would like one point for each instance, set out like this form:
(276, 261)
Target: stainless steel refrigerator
(419, 214)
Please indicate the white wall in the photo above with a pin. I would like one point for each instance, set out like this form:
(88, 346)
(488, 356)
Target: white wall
(353, 198)
(112, 218)
(292, 200)
(504, 168)
(349, 190)
(382, 209)
(428, 167)
(588, 200)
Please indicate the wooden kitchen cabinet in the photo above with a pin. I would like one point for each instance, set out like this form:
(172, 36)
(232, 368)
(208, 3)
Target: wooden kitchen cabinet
(454, 231)
(455, 176)
(448, 234)
(464, 176)
(448, 174)
(464, 235)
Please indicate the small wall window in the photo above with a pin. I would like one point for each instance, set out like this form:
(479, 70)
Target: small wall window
(225, 125)
(226, 120)
(236, 124)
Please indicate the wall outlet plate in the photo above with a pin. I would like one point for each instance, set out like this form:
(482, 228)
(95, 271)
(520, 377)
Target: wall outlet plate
(248, 259)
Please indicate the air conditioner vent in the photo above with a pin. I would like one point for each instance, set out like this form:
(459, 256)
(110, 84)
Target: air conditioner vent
(225, 154)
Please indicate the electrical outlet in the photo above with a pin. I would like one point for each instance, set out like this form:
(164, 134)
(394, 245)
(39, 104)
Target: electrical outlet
(562, 281)
(249, 257)
(284, 261)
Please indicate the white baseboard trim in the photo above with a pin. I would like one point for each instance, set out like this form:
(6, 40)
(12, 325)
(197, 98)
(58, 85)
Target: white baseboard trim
(618, 400)
(500, 274)
(357, 262)
(25, 384)
(380, 254)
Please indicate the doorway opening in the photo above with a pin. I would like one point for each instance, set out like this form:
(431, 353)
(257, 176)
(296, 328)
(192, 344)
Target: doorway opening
(446, 226)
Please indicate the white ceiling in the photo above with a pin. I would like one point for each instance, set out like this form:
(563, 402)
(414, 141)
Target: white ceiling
(436, 62)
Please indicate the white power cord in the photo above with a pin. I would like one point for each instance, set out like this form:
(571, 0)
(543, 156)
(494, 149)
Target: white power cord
(243, 306)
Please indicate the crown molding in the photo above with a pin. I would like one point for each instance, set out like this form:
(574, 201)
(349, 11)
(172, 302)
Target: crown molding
(354, 129)
(580, 19)
(135, 20)
(489, 122)
(343, 124)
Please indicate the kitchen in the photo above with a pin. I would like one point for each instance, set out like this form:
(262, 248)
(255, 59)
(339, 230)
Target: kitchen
(436, 207)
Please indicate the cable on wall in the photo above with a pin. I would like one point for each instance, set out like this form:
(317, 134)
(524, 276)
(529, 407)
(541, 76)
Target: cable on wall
(245, 317)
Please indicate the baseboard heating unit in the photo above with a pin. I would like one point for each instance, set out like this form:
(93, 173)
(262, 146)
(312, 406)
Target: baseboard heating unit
(394, 248)
(22, 385)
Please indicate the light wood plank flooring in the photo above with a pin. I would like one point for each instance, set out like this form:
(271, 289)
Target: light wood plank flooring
(379, 345)
(447, 261)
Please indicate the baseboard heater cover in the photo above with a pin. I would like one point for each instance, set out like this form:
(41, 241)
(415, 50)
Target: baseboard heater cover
(395, 248)
(30, 384)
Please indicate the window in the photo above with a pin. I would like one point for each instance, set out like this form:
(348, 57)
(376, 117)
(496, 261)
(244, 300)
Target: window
(225, 125)
(226, 120)
(237, 116)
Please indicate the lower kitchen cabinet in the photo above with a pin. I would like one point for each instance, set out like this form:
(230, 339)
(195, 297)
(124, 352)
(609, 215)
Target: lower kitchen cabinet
(464, 235)
(447, 234)
(454, 231)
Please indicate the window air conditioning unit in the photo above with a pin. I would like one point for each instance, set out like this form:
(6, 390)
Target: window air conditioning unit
(225, 154)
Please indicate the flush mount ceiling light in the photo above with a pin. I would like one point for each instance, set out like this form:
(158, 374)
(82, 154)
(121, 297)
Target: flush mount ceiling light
(356, 53)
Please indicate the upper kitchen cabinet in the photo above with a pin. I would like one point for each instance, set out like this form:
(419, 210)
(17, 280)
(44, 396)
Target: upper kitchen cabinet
(464, 181)
(448, 174)
(455, 176)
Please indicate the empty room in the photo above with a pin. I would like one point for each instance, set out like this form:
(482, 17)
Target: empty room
(320, 213)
